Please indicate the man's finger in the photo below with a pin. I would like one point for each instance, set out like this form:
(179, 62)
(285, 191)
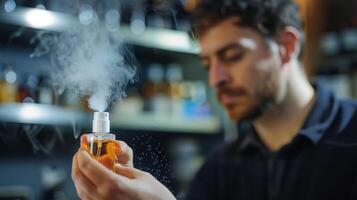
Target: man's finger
(85, 188)
(84, 141)
(93, 170)
(124, 154)
(104, 180)
(107, 161)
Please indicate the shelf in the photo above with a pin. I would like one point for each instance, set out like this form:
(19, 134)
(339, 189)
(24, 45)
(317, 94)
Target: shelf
(41, 114)
(152, 122)
(164, 39)
(28, 113)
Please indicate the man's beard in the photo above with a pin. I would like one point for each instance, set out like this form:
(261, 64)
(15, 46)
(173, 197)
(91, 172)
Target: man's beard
(255, 111)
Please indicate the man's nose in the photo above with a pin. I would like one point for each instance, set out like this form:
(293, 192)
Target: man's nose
(218, 75)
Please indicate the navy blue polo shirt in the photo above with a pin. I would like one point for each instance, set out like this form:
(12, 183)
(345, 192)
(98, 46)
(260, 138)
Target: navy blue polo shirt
(319, 163)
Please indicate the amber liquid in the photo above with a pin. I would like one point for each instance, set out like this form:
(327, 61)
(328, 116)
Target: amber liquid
(104, 151)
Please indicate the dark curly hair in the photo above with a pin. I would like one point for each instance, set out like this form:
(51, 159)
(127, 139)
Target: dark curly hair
(268, 17)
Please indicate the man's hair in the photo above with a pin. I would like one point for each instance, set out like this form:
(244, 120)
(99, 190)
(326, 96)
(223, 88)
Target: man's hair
(268, 17)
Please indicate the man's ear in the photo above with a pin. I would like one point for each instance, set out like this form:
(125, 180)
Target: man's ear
(289, 46)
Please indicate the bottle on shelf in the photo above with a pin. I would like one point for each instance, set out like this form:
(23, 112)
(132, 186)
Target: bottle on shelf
(195, 104)
(160, 14)
(23, 90)
(174, 76)
(8, 85)
(32, 89)
(199, 99)
(45, 90)
(155, 91)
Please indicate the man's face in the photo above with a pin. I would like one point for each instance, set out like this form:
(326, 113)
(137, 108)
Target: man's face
(243, 68)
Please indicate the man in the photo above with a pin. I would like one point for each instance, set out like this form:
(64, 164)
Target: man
(298, 142)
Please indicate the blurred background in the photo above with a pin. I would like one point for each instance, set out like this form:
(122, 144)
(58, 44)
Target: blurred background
(170, 116)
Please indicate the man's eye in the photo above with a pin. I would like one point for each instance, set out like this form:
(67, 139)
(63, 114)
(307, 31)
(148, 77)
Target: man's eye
(232, 57)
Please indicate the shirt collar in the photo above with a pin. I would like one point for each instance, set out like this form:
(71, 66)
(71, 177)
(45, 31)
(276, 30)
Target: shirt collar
(250, 139)
(319, 119)
(321, 115)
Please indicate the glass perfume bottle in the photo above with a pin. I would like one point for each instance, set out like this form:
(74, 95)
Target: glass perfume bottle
(101, 143)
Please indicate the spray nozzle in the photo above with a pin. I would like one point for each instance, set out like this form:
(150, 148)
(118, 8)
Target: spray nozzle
(101, 122)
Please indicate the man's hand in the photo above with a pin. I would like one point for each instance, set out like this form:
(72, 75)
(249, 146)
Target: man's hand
(93, 181)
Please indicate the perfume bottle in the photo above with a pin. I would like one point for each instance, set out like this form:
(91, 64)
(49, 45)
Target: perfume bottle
(101, 143)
